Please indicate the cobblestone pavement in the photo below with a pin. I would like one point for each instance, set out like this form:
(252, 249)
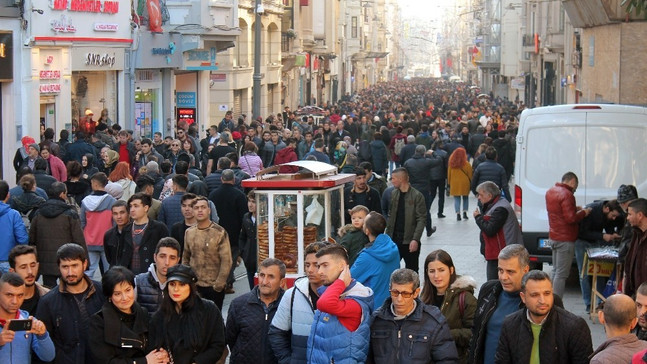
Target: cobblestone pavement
(460, 240)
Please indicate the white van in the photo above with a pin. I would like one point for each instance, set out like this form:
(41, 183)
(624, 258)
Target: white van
(604, 145)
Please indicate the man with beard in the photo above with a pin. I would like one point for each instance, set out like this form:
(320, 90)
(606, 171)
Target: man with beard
(24, 261)
(542, 332)
(361, 194)
(641, 311)
(67, 308)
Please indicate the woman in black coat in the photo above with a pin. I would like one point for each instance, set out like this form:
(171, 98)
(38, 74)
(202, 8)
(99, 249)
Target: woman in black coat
(188, 327)
(119, 332)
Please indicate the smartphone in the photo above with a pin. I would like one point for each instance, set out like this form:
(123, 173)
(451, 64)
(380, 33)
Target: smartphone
(20, 325)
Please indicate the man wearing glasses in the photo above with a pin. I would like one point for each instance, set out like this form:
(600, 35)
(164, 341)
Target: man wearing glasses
(405, 330)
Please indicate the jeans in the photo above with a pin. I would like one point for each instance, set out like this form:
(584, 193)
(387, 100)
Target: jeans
(585, 282)
(438, 186)
(393, 165)
(563, 252)
(457, 203)
(96, 253)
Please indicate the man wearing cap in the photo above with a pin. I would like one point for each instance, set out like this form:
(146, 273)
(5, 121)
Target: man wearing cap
(33, 153)
(207, 250)
(360, 193)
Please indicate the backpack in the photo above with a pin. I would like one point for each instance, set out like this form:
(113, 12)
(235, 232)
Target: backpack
(399, 144)
(364, 151)
(27, 217)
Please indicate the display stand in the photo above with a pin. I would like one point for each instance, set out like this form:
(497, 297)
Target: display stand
(599, 262)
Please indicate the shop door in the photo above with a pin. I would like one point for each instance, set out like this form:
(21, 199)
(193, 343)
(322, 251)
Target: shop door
(238, 96)
(49, 116)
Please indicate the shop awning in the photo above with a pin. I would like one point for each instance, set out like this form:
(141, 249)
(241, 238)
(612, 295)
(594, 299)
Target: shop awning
(194, 36)
(376, 54)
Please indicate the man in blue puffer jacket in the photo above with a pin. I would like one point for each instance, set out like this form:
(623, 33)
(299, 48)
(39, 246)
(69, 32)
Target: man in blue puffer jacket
(376, 262)
(341, 329)
(14, 231)
(291, 324)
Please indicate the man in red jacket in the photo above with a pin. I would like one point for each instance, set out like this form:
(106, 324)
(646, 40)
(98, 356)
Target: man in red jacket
(563, 223)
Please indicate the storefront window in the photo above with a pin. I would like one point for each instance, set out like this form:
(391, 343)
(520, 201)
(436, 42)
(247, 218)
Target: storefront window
(146, 112)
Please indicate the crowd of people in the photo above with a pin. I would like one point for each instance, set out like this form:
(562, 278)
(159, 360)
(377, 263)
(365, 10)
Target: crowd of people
(165, 221)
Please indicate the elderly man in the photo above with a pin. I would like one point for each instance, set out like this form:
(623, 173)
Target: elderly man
(403, 316)
(409, 150)
(618, 319)
(498, 224)
(542, 332)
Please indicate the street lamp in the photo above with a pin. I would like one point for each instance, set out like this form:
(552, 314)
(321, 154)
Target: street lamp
(256, 96)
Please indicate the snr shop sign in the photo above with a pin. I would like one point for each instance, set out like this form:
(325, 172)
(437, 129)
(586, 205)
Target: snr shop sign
(100, 60)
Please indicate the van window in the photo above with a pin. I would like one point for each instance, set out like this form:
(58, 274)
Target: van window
(551, 152)
(616, 156)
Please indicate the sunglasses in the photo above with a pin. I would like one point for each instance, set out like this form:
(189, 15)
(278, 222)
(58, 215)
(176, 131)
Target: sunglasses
(404, 294)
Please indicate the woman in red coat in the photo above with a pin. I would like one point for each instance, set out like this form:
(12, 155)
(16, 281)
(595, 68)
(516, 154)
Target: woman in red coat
(56, 166)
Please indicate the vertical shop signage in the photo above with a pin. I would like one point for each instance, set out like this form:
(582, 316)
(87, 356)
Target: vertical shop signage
(6, 56)
(187, 114)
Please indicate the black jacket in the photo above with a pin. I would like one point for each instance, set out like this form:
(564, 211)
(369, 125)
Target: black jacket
(124, 251)
(75, 151)
(407, 152)
(373, 200)
(485, 306)
(247, 243)
(149, 293)
(56, 223)
(247, 326)
(132, 152)
(170, 335)
(564, 339)
(119, 337)
(419, 169)
(595, 224)
(44, 180)
(422, 337)
(231, 205)
(492, 171)
(59, 311)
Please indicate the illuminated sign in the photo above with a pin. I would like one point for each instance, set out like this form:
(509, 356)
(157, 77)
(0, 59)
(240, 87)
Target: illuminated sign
(50, 88)
(186, 114)
(6, 56)
(106, 27)
(49, 75)
(86, 6)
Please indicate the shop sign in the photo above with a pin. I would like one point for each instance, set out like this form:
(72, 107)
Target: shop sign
(50, 88)
(6, 56)
(186, 114)
(201, 60)
(164, 51)
(101, 60)
(63, 25)
(49, 75)
(185, 99)
(86, 6)
(106, 27)
(218, 77)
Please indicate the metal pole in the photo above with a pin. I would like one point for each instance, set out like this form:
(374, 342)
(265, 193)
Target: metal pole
(256, 97)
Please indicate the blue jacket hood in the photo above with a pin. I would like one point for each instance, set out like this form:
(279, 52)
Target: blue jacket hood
(4, 208)
(383, 249)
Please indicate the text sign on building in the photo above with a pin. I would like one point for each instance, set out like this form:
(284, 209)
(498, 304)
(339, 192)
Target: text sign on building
(201, 60)
(50, 88)
(49, 75)
(6, 56)
(186, 114)
(86, 6)
(100, 60)
(185, 99)
(106, 27)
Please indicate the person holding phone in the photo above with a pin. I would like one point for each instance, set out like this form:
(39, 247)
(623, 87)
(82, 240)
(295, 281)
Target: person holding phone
(189, 328)
(21, 333)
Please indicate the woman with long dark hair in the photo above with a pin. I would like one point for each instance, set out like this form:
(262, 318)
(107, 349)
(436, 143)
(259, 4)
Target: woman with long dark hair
(459, 178)
(119, 332)
(188, 327)
(453, 295)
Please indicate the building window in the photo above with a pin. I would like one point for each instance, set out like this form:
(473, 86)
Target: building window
(353, 27)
